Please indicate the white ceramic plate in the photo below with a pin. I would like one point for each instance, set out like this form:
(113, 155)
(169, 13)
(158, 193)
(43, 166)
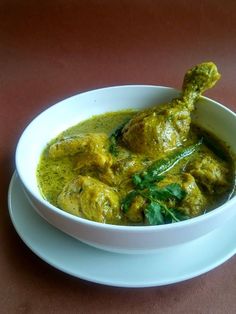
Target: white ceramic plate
(166, 266)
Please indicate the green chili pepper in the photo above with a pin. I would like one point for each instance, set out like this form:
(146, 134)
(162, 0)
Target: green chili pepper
(157, 168)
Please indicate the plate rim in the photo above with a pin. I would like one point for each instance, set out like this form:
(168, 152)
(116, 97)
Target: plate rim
(15, 183)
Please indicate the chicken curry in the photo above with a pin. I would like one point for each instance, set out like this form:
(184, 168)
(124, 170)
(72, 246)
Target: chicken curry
(140, 168)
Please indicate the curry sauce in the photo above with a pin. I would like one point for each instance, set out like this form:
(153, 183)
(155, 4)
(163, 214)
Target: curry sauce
(146, 167)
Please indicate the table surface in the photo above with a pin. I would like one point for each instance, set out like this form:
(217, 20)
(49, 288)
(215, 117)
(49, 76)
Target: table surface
(50, 50)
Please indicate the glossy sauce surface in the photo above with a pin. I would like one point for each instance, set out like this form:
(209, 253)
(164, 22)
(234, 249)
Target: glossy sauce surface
(55, 173)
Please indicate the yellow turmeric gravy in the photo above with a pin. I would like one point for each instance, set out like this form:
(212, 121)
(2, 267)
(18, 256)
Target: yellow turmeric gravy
(54, 174)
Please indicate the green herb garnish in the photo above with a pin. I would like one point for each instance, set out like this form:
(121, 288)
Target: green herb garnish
(156, 211)
(157, 168)
(128, 200)
(158, 199)
(153, 214)
(113, 149)
(159, 214)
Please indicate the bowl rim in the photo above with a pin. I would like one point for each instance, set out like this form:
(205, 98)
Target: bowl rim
(134, 228)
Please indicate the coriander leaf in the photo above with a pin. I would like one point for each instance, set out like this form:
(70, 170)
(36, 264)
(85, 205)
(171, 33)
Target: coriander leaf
(174, 215)
(158, 167)
(153, 214)
(170, 191)
(136, 180)
(176, 191)
(157, 193)
(179, 215)
(140, 182)
(127, 201)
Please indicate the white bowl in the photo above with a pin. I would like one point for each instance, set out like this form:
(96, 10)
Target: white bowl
(129, 239)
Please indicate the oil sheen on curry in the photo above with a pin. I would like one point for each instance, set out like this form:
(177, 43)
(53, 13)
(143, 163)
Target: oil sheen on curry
(146, 167)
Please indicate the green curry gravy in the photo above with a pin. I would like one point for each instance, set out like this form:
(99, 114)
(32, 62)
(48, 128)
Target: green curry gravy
(54, 174)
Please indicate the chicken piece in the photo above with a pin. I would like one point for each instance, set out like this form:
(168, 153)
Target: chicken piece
(194, 203)
(210, 172)
(164, 127)
(91, 199)
(91, 150)
(126, 167)
(123, 169)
